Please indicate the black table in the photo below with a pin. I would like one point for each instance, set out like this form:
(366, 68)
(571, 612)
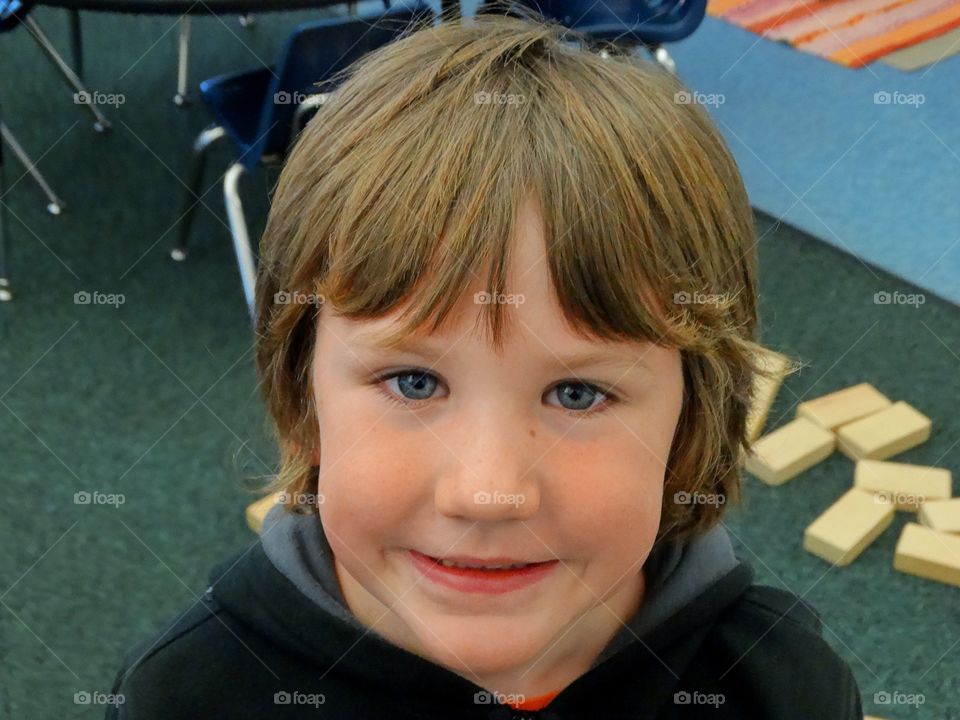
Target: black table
(187, 8)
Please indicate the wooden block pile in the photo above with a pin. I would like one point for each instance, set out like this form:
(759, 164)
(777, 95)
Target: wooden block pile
(868, 428)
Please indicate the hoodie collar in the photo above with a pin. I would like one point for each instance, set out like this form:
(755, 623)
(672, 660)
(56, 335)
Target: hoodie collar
(286, 587)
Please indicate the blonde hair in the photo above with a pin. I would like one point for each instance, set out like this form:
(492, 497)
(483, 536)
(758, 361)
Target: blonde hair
(406, 185)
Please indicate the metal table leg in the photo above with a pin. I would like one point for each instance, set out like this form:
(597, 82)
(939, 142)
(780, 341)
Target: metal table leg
(101, 123)
(6, 294)
(183, 61)
(54, 204)
(76, 43)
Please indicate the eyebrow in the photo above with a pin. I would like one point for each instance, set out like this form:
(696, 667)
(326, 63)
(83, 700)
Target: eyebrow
(429, 350)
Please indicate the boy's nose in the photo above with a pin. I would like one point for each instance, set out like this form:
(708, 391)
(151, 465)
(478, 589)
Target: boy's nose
(493, 476)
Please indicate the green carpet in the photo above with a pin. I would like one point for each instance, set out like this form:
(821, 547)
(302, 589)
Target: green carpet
(156, 399)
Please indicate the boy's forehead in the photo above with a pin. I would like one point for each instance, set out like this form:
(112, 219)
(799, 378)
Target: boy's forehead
(562, 348)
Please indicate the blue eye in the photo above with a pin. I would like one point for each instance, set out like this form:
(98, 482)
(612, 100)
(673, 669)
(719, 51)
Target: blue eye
(580, 395)
(415, 386)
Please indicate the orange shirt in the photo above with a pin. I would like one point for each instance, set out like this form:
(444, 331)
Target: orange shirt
(535, 703)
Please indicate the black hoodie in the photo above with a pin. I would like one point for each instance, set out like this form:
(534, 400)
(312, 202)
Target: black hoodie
(272, 637)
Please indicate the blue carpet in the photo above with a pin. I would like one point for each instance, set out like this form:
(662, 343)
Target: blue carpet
(880, 181)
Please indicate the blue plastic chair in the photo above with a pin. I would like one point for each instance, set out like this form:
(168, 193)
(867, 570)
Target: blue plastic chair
(260, 110)
(624, 24)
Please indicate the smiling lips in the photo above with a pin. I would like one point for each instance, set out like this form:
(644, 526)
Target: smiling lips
(476, 575)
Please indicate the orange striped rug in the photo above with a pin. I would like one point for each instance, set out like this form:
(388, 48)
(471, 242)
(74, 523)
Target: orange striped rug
(847, 32)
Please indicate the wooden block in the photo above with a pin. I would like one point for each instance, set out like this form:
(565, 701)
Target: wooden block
(765, 390)
(257, 511)
(942, 515)
(885, 433)
(845, 528)
(929, 554)
(789, 450)
(844, 406)
(906, 486)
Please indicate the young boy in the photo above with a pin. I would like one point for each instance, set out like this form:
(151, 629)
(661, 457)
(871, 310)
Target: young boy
(506, 308)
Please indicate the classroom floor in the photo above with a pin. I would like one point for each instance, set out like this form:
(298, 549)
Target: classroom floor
(156, 399)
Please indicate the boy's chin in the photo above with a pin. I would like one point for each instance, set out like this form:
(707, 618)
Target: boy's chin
(483, 645)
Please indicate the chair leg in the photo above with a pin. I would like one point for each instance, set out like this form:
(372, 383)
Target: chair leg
(661, 55)
(241, 238)
(191, 195)
(101, 124)
(76, 43)
(183, 62)
(6, 294)
(54, 203)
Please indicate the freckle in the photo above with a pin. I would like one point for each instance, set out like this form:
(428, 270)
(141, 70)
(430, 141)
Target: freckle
(533, 433)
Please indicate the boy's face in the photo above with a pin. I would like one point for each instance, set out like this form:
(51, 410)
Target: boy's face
(494, 456)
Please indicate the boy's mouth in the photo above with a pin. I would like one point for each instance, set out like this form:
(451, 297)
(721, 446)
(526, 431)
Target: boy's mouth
(491, 576)
(470, 563)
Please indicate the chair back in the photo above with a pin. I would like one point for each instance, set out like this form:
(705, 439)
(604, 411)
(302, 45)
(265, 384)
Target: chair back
(313, 54)
(11, 11)
(629, 22)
